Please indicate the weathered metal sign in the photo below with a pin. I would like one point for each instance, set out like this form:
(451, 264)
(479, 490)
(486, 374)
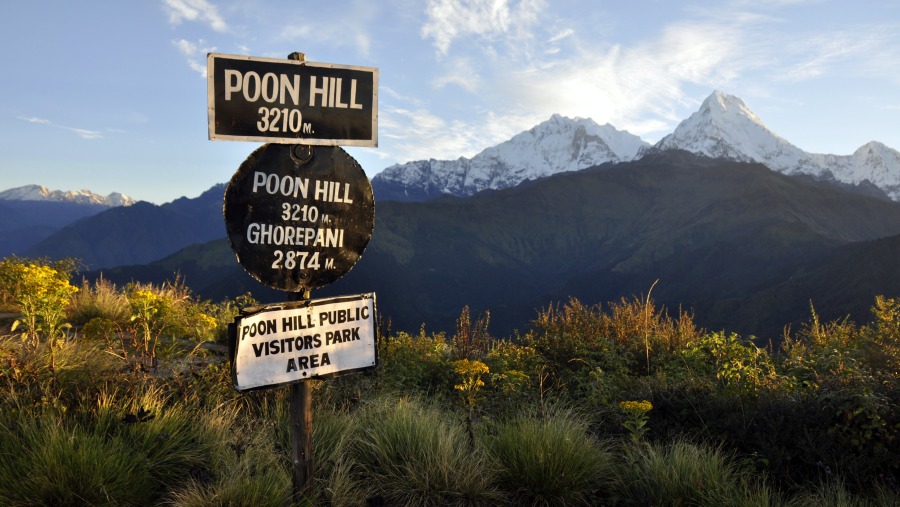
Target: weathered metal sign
(291, 101)
(287, 342)
(299, 217)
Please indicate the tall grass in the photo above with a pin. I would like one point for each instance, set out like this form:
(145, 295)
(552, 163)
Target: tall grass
(43, 462)
(410, 454)
(835, 494)
(101, 300)
(550, 461)
(247, 471)
(684, 473)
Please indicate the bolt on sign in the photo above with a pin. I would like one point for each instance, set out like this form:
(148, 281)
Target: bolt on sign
(291, 101)
(299, 217)
(286, 342)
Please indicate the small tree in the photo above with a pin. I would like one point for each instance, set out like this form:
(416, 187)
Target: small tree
(886, 339)
(470, 387)
(471, 340)
(149, 317)
(42, 293)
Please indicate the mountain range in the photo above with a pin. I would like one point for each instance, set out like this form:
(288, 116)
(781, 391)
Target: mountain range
(745, 248)
(734, 222)
(558, 145)
(43, 194)
(31, 213)
(723, 127)
(137, 234)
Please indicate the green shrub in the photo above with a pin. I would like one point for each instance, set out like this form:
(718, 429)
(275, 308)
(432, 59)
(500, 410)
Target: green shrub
(416, 363)
(223, 314)
(634, 338)
(740, 366)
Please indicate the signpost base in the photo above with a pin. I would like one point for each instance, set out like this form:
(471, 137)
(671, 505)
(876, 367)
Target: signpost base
(301, 418)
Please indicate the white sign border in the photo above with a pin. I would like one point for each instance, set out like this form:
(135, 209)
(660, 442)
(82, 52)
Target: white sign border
(302, 305)
(211, 108)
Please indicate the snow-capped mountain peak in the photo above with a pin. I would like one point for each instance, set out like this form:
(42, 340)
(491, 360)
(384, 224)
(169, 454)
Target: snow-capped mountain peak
(725, 127)
(556, 145)
(41, 193)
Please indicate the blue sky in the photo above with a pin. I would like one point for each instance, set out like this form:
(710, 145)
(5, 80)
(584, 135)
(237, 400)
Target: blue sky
(111, 95)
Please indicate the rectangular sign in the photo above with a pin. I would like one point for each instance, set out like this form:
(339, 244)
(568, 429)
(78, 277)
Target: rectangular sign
(291, 101)
(287, 342)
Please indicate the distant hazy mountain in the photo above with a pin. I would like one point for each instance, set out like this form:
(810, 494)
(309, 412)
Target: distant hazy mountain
(32, 213)
(557, 145)
(725, 127)
(40, 193)
(138, 234)
(741, 244)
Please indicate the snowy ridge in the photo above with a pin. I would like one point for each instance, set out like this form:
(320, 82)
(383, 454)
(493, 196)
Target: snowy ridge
(557, 145)
(41, 193)
(873, 162)
(725, 127)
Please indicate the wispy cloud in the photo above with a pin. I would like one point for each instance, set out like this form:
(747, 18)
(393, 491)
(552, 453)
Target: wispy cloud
(637, 84)
(461, 72)
(194, 54)
(448, 20)
(32, 119)
(80, 132)
(195, 10)
(350, 28)
(414, 134)
(355, 35)
(564, 34)
(871, 50)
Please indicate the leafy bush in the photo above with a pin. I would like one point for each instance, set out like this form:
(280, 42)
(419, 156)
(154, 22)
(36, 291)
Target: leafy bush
(419, 363)
(743, 368)
(635, 338)
(41, 292)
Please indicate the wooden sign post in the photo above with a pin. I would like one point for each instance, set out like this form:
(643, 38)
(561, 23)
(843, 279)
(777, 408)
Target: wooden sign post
(301, 421)
(298, 215)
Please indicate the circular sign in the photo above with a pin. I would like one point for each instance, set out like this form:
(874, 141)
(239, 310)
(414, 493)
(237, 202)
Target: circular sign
(299, 217)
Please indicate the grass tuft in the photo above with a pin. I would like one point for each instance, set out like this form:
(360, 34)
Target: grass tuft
(410, 455)
(684, 473)
(550, 462)
(44, 463)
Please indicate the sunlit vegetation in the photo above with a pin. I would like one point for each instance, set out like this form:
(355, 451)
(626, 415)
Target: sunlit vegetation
(123, 396)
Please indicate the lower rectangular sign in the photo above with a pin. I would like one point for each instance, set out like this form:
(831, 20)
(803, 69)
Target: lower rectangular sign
(287, 342)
